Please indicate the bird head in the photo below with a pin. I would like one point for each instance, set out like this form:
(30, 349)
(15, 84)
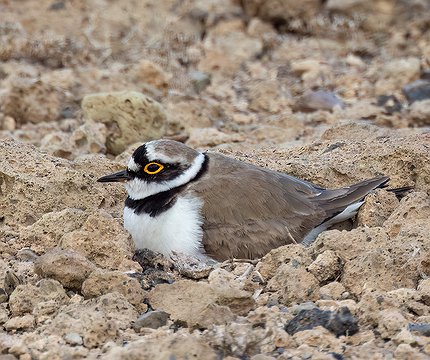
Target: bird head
(158, 166)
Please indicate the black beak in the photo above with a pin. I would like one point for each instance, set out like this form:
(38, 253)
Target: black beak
(120, 176)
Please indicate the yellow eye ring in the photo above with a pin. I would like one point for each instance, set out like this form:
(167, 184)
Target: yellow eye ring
(153, 172)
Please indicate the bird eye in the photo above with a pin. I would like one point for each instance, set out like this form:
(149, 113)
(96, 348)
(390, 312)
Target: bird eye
(153, 168)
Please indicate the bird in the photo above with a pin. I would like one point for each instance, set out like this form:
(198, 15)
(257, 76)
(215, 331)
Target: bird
(210, 206)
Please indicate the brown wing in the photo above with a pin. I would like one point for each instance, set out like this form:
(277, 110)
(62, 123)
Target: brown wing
(248, 210)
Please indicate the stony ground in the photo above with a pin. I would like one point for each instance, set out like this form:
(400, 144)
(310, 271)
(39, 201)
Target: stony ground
(329, 91)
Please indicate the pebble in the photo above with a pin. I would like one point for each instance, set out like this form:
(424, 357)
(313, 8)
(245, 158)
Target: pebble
(318, 100)
(152, 319)
(340, 322)
(421, 329)
(417, 90)
(200, 80)
(73, 338)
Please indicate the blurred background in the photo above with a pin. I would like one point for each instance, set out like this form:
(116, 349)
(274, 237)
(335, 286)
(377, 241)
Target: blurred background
(227, 73)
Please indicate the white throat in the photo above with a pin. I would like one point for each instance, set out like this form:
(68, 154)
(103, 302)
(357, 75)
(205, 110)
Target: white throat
(140, 189)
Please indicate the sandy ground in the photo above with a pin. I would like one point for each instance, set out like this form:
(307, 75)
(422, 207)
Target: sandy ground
(330, 91)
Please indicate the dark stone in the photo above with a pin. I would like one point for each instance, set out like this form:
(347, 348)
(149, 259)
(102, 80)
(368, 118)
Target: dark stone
(152, 319)
(417, 90)
(423, 329)
(340, 322)
(390, 103)
(3, 296)
(58, 5)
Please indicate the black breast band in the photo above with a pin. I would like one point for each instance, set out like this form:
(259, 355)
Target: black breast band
(159, 203)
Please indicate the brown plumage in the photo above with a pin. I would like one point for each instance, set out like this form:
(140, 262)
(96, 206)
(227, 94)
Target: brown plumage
(249, 210)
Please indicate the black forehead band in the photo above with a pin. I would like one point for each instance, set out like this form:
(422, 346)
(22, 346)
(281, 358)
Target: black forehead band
(140, 156)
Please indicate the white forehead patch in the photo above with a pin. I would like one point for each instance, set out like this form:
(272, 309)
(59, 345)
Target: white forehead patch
(133, 166)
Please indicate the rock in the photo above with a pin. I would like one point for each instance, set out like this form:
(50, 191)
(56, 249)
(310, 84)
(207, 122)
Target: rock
(45, 233)
(391, 321)
(152, 319)
(340, 322)
(294, 284)
(390, 103)
(20, 323)
(318, 100)
(4, 296)
(327, 266)
(95, 320)
(406, 351)
(129, 116)
(103, 240)
(200, 80)
(32, 100)
(282, 12)
(73, 338)
(421, 329)
(204, 137)
(424, 291)
(226, 47)
(71, 269)
(171, 346)
(89, 138)
(419, 113)
(191, 267)
(55, 185)
(200, 304)
(104, 282)
(11, 281)
(25, 297)
(377, 207)
(4, 314)
(151, 73)
(293, 254)
(333, 290)
(417, 91)
(267, 95)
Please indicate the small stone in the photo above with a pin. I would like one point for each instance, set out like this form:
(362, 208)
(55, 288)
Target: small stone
(152, 319)
(340, 322)
(391, 321)
(3, 295)
(390, 103)
(191, 267)
(102, 282)
(332, 291)
(73, 338)
(32, 100)
(4, 314)
(421, 329)
(200, 80)
(419, 113)
(417, 90)
(317, 100)
(26, 254)
(424, 291)
(11, 281)
(327, 266)
(71, 269)
(152, 74)
(8, 123)
(20, 323)
(130, 117)
(377, 208)
(309, 305)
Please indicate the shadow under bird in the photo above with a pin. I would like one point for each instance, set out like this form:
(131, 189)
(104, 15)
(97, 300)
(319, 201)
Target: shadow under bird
(207, 205)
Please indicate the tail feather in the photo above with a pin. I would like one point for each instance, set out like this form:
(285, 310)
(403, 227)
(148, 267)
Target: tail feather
(335, 201)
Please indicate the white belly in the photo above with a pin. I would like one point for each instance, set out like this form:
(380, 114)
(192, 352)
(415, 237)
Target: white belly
(177, 229)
